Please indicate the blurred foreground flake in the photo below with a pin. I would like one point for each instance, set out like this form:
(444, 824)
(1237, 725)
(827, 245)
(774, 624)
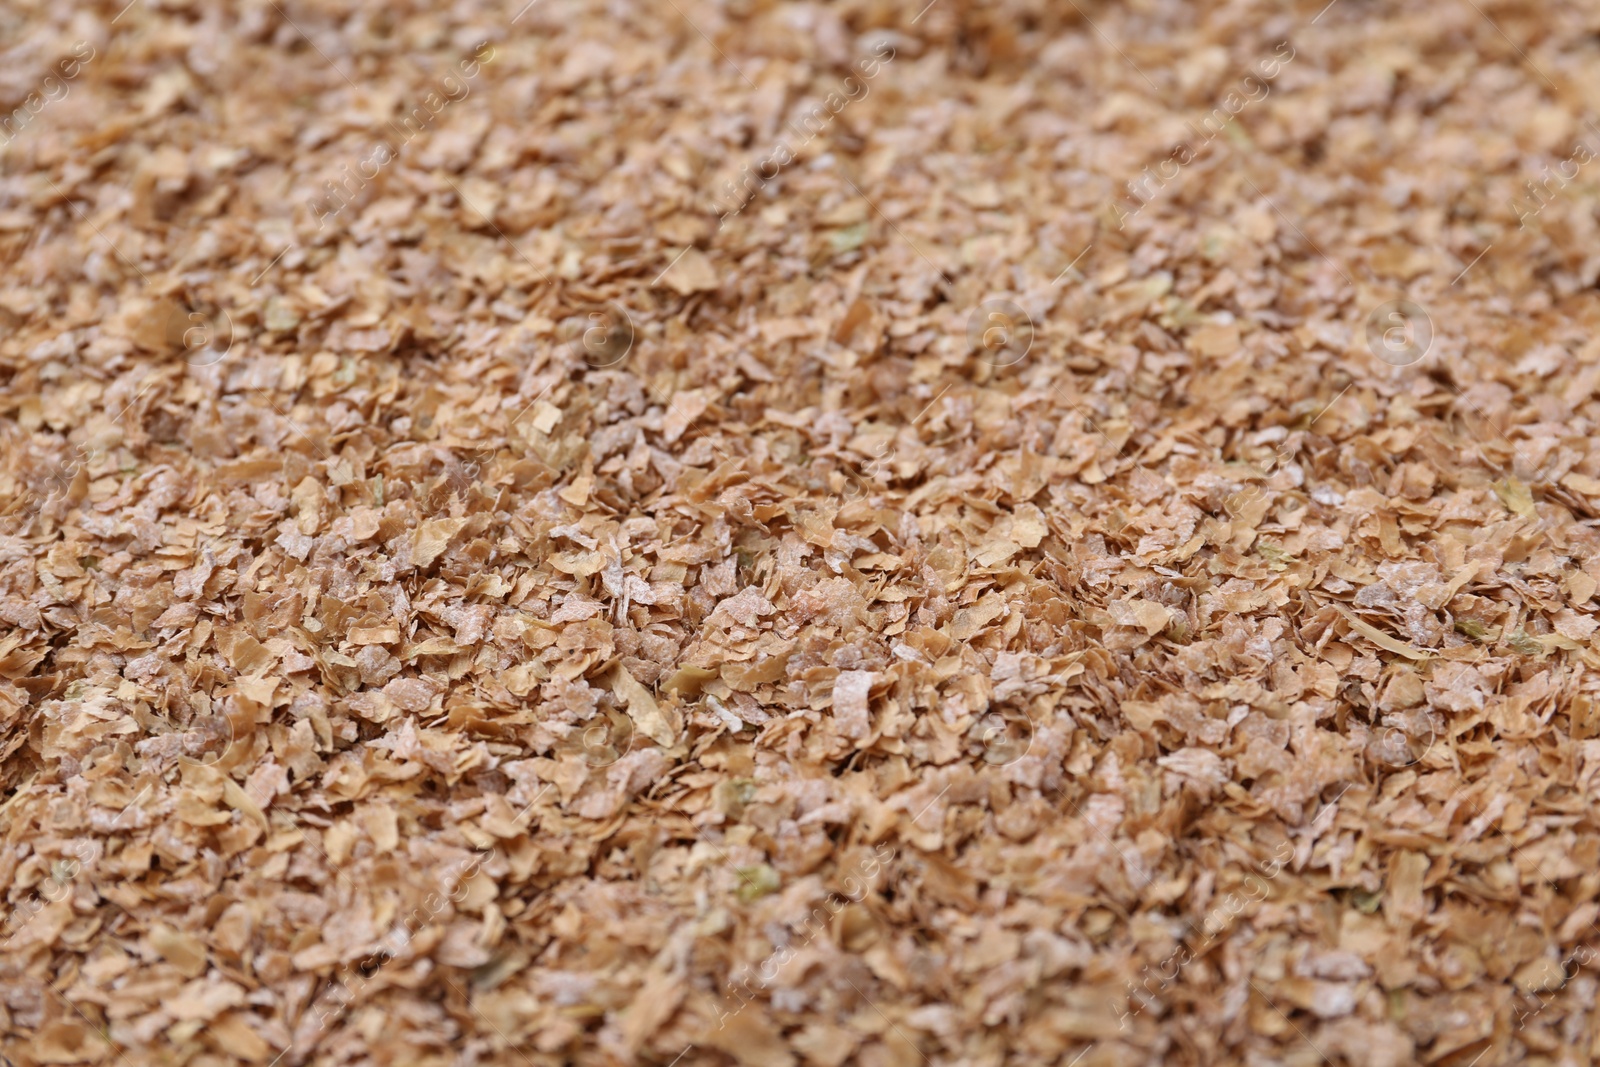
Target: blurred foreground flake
(433, 537)
(692, 273)
(1516, 496)
(850, 712)
(1144, 615)
(646, 714)
(751, 1039)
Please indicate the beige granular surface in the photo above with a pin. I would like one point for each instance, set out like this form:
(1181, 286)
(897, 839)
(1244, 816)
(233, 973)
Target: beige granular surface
(526, 539)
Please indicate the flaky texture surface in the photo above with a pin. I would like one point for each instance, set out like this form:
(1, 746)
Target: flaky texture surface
(522, 540)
